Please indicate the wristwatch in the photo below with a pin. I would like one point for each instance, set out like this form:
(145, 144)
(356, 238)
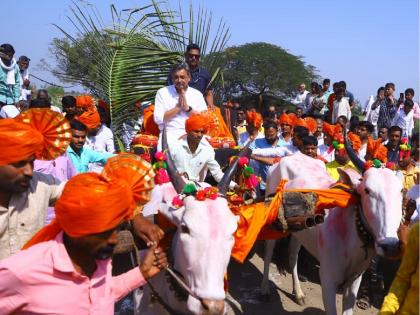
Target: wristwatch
(189, 109)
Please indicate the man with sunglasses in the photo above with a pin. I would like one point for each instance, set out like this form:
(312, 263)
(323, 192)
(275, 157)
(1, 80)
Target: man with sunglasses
(200, 77)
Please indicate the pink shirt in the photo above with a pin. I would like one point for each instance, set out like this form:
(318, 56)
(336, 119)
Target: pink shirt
(416, 109)
(42, 280)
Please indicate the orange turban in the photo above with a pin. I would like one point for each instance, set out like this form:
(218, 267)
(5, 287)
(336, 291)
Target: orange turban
(93, 203)
(377, 150)
(255, 119)
(355, 141)
(90, 118)
(307, 122)
(86, 102)
(150, 127)
(333, 131)
(196, 122)
(40, 132)
(287, 119)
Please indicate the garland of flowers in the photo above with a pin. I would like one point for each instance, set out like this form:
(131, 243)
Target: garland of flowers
(378, 164)
(190, 189)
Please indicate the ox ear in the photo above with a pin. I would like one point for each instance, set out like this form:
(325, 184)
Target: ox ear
(172, 214)
(349, 176)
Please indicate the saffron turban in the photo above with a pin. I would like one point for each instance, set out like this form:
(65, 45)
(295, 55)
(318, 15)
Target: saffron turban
(377, 150)
(90, 118)
(150, 127)
(355, 141)
(333, 131)
(307, 122)
(287, 119)
(93, 203)
(197, 122)
(37, 131)
(85, 102)
(255, 119)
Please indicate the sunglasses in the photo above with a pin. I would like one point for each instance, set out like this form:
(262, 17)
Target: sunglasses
(192, 56)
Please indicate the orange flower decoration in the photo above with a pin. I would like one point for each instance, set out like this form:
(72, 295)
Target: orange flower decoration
(85, 102)
(254, 118)
(377, 150)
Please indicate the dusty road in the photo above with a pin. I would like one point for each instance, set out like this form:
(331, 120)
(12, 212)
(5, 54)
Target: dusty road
(244, 282)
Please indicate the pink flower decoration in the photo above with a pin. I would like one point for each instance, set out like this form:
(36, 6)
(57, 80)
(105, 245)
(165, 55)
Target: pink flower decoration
(252, 181)
(162, 177)
(177, 202)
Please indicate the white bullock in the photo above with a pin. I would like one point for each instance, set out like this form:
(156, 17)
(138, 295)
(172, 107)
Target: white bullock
(336, 243)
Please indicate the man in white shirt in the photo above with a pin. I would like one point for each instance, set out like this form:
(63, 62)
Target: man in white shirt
(175, 103)
(405, 119)
(23, 64)
(193, 155)
(341, 106)
(9, 111)
(299, 100)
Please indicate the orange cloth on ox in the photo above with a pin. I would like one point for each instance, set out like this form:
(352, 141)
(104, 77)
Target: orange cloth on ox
(254, 220)
(93, 203)
(90, 118)
(218, 127)
(150, 127)
(40, 132)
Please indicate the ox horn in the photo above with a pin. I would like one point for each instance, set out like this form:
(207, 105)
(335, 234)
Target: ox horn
(176, 179)
(352, 154)
(223, 185)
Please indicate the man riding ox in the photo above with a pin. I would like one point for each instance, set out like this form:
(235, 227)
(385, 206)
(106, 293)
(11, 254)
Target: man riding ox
(351, 235)
(203, 240)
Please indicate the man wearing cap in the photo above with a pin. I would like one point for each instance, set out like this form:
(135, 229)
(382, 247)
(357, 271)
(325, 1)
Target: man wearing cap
(193, 155)
(66, 268)
(24, 194)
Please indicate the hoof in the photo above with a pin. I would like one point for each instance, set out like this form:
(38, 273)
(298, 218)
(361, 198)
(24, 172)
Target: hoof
(300, 301)
(265, 297)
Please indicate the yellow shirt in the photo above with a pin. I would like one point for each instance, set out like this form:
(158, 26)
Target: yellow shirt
(410, 177)
(333, 165)
(403, 296)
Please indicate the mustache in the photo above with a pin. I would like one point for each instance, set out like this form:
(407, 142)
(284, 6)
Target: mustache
(104, 252)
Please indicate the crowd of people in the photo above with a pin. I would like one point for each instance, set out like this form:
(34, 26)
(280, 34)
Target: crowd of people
(65, 192)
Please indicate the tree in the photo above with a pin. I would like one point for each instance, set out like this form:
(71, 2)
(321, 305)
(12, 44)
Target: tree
(259, 70)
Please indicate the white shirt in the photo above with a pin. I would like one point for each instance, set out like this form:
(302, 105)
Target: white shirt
(282, 151)
(341, 108)
(362, 152)
(244, 136)
(24, 94)
(9, 111)
(102, 142)
(372, 115)
(196, 164)
(281, 138)
(323, 151)
(414, 193)
(300, 98)
(167, 99)
(404, 121)
(56, 109)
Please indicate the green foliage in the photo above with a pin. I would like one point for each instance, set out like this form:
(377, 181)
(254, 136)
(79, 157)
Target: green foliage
(262, 69)
(55, 93)
(130, 60)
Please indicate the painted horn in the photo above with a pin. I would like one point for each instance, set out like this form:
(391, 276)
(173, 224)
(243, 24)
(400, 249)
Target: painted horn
(223, 185)
(176, 179)
(352, 154)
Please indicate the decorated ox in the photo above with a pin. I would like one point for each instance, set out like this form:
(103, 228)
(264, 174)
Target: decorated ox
(200, 249)
(349, 237)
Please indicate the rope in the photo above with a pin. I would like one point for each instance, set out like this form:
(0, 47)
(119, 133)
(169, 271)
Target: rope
(49, 83)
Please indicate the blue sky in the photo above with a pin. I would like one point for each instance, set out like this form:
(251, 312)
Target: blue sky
(364, 42)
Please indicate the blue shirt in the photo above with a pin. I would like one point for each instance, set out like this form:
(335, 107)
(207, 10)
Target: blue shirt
(10, 94)
(81, 162)
(260, 168)
(200, 80)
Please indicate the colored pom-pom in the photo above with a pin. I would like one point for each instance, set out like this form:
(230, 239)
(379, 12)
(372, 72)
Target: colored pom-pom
(177, 202)
(252, 181)
(391, 165)
(189, 189)
(335, 144)
(248, 171)
(160, 156)
(243, 161)
(376, 163)
(341, 146)
(368, 164)
(200, 195)
(162, 177)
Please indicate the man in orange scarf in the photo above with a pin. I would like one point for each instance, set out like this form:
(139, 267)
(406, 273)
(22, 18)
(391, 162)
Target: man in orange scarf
(254, 122)
(69, 261)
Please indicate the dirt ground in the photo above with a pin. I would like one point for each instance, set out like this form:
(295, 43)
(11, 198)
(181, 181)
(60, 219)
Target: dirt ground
(244, 289)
